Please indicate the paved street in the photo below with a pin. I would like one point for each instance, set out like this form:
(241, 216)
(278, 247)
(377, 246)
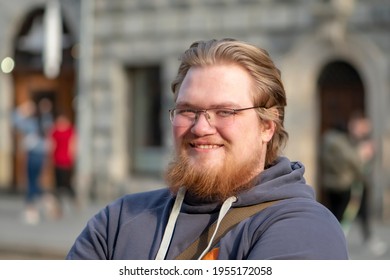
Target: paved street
(377, 250)
(51, 239)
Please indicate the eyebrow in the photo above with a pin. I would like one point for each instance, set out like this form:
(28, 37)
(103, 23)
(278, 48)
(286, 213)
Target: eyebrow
(231, 105)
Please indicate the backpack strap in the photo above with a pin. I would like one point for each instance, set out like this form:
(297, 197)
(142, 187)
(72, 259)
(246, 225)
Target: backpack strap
(232, 218)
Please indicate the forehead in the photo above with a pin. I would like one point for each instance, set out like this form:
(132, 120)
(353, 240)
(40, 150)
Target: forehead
(215, 85)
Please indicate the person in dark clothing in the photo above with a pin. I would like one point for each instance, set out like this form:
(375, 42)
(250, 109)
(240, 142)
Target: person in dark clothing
(345, 160)
(361, 136)
(341, 168)
(228, 132)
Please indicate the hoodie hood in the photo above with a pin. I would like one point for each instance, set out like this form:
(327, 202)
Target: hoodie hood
(283, 180)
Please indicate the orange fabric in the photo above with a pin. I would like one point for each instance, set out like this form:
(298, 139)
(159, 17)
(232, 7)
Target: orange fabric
(212, 255)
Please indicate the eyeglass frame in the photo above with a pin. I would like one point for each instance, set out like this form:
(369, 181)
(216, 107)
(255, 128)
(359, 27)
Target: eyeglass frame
(204, 111)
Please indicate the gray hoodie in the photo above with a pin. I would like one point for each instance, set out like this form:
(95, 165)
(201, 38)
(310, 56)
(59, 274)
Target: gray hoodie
(296, 227)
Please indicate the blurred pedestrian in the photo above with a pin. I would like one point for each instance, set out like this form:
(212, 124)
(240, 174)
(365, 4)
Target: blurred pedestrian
(33, 121)
(347, 155)
(63, 147)
(341, 167)
(361, 134)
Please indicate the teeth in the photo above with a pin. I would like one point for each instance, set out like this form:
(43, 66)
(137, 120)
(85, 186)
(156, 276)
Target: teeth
(207, 146)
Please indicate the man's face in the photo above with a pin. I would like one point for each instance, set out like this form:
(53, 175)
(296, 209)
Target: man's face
(220, 151)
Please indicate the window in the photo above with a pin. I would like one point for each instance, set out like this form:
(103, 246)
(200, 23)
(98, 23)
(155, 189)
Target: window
(145, 125)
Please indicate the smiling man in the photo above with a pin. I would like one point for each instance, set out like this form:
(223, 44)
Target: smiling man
(212, 158)
(228, 131)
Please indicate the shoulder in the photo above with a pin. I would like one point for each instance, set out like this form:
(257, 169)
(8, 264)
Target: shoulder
(139, 202)
(304, 209)
(149, 198)
(301, 228)
(299, 217)
(114, 223)
(127, 208)
(335, 138)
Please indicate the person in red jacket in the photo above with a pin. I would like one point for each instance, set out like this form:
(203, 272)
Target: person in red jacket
(63, 143)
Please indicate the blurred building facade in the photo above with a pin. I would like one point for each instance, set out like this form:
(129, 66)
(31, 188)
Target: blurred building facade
(119, 57)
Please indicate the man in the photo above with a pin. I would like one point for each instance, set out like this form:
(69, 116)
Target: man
(345, 153)
(347, 157)
(228, 133)
(341, 168)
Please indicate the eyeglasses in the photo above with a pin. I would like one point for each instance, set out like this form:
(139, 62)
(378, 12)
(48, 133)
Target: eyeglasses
(220, 117)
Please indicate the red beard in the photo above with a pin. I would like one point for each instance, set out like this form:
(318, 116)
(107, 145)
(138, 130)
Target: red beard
(213, 183)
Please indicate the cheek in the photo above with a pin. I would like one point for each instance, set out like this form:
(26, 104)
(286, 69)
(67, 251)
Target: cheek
(246, 141)
(178, 134)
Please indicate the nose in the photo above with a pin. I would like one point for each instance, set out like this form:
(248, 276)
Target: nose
(202, 125)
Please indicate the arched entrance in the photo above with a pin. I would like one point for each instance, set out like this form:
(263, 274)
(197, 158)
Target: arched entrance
(30, 83)
(341, 94)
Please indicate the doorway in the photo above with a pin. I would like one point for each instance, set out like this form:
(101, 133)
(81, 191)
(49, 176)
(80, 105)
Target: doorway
(30, 83)
(341, 94)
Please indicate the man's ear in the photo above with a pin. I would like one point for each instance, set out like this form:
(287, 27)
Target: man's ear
(267, 130)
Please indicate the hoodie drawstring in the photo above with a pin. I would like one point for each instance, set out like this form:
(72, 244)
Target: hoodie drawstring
(162, 251)
(161, 254)
(222, 213)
